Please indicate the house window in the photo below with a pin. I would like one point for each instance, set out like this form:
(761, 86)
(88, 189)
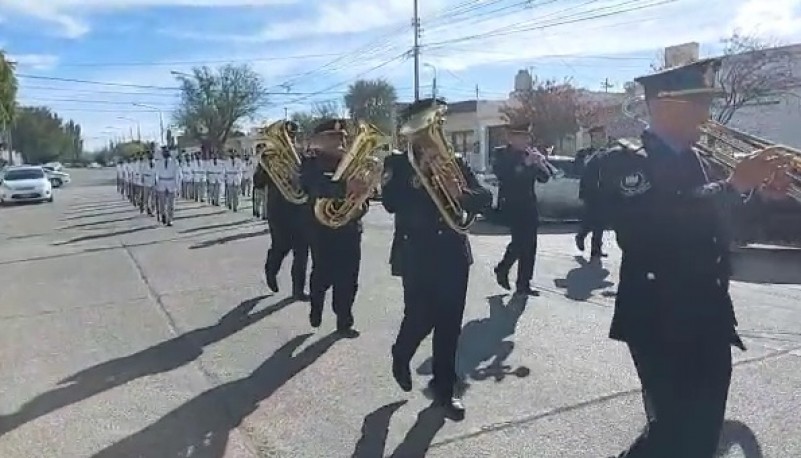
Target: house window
(462, 141)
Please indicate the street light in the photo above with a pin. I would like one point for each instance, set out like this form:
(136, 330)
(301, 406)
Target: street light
(161, 117)
(434, 83)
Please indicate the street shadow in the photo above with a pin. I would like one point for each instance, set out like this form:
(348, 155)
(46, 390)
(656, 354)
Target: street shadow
(201, 427)
(375, 429)
(763, 265)
(96, 215)
(737, 435)
(163, 357)
(199, 215)
(97, 223)
(86, 238)
(485, 227)
(230, 238)
(483, 348)
(581, 281)
(215, 226)
(98, 206)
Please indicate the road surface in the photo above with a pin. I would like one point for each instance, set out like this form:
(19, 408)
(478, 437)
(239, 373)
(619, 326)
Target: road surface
(122, 338)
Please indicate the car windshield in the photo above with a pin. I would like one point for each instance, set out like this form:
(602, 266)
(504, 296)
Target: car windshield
(25, 174)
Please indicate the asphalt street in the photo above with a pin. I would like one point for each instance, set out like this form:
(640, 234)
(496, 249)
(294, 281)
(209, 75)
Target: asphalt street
(123, 338)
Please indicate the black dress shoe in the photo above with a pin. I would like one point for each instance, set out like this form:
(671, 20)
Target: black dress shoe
(301, 297)
(402, 374)
(526, 290)
(272, 280)
(450, 403)
(316, 317)
(348, 333)
(502, 277)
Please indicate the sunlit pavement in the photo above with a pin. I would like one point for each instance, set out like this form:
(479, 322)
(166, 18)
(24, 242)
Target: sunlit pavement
(123, 338)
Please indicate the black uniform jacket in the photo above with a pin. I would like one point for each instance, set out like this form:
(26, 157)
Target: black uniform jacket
(674, 276)
(392, 163)
(516, 194)
(428, 243)
(315, 178)
(590, 183)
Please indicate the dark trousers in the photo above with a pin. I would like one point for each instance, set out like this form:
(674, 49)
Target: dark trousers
(592, 222)
(336, 257)
(522, 249)
(286, 236)
(685, 390)
(433, 302)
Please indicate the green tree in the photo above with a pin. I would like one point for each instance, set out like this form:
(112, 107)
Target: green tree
(372, 101)
(213, 101)
(8, 94)
(42, 136)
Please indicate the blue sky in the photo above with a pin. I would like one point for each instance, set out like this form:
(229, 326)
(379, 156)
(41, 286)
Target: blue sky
(314, 48)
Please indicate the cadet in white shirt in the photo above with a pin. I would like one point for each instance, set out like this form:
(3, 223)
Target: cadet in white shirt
(216, 177)
(233, 180)
(126, 176)
(120, 178)
(168, 175)
(247, 175)
(137, 180)
(186, 176)
(199, 174)
(148, 185)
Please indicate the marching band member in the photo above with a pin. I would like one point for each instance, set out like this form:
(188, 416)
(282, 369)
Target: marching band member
(518, 166)
(233, 180)
(673, 307)
(336, 253)
(148, 184)
(397, 160)
(168, 175)
(435, 268)
(216, 178)
(288, 232)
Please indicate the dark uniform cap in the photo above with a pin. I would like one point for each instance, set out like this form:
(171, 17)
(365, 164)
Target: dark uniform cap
(330, 126)
(691, 79)
(420, 106)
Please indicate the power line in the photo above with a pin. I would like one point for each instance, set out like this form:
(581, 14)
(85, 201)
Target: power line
(194, 62)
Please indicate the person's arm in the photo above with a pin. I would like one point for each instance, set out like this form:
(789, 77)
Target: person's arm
(392, 183)
(476, 198)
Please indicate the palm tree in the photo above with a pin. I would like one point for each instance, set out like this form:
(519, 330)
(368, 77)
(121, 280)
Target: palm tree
(372, 101)
(8, 94)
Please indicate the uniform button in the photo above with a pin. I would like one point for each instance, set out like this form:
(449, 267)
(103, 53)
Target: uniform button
(439, 232)
(650, 276)
(405, 237)
(714, 240)
(720, 283)
(719, 260)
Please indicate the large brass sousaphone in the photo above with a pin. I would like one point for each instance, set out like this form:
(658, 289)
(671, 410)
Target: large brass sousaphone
(281, 161)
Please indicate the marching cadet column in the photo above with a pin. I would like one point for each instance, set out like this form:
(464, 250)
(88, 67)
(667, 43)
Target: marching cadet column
(435, 268)
(673, 307)
(336, 253)
(289, 231)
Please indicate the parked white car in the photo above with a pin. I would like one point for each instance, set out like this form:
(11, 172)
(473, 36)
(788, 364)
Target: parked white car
(58, 178)
(557, 199)
(25, 184)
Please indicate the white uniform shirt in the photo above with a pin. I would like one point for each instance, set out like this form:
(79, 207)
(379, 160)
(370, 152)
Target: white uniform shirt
(198, 171)
(149, 174)
(186, 172)
(168, 175)
(249, 169)
(137, 172)
(233, 172)
(216, 171)
(120, 171)
(126, 172)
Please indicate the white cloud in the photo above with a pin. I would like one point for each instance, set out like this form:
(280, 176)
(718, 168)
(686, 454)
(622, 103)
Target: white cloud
(41, 62)
(70, 15)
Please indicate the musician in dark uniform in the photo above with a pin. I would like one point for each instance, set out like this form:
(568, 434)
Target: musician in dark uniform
(589, 192)
(396, 160)
(673, 307)
(435, 267)
(336, 253)
(518, 166)
(288, 224)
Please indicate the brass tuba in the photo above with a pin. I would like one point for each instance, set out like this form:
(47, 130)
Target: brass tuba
(359, 162)
(726, 147)
(281, 162)
(442, 166)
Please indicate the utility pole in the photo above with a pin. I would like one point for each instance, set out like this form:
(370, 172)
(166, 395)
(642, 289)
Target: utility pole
(606, 85)
(416, 51)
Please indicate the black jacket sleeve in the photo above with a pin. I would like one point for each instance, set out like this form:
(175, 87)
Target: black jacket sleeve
(317, 185)
(393, 182)
(476, 198)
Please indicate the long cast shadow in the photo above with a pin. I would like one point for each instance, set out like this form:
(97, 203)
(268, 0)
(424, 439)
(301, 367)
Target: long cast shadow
(98, 223)
(200, 428)
(484, 341)
(86, 238)
(215, 226)
(163, 357)
(230, 238)
(375, 429)
(95, 215)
